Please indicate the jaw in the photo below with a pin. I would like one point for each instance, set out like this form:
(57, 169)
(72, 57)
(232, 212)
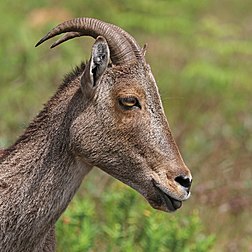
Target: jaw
(168, 203)
(160, 193)
(162, 199)
(165, 202)
(157, 198)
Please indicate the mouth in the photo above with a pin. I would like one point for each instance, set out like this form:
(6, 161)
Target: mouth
(170, 203)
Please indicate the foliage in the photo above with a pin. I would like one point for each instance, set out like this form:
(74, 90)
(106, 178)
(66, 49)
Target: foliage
(78, 221)
(122, 221)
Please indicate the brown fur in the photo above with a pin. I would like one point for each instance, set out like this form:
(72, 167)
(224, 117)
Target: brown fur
(2, 153)
(81, 127)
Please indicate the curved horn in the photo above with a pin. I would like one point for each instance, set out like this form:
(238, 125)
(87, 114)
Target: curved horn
(134, 45)
(122, 49)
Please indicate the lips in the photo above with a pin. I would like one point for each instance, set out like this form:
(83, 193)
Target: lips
(171, 203)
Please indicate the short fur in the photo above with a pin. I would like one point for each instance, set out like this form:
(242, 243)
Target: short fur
(79, 129)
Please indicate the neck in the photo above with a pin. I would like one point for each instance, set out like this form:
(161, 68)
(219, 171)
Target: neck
(39, 176)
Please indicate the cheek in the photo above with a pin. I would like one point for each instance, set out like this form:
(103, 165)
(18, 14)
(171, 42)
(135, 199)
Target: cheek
(92, 138)
(83, 133)
(128, 121)
(125, 122)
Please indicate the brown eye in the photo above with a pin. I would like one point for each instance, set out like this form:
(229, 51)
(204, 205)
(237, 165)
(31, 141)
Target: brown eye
(128, 103)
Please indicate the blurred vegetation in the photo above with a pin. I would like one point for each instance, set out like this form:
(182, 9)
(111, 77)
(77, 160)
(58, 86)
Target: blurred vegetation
(126, 224)
(201, 56)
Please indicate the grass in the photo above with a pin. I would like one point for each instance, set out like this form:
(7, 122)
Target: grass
(201, 56)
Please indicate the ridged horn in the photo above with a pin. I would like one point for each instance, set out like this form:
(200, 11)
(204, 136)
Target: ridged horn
(123, 48)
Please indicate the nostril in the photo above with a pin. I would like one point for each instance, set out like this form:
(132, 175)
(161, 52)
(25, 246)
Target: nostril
(184, 181)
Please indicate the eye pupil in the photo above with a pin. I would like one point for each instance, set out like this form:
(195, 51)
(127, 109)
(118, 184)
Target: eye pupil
(129, 102)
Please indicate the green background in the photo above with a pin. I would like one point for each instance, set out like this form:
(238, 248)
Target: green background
(201, 56)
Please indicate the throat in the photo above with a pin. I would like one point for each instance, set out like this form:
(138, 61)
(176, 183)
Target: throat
(40, 177)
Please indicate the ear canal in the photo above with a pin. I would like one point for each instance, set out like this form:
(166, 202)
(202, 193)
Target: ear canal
(99, 59)
(96, 66)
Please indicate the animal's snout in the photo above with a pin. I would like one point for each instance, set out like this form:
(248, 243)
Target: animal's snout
(185, 182)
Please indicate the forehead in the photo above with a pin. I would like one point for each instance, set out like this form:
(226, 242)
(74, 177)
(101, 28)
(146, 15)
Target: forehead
(129, 87)
(135, 80)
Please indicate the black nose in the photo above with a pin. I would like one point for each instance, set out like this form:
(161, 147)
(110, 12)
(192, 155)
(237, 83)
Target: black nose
(184, 181)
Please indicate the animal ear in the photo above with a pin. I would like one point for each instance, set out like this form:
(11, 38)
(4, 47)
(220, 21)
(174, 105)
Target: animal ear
(96, 67)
